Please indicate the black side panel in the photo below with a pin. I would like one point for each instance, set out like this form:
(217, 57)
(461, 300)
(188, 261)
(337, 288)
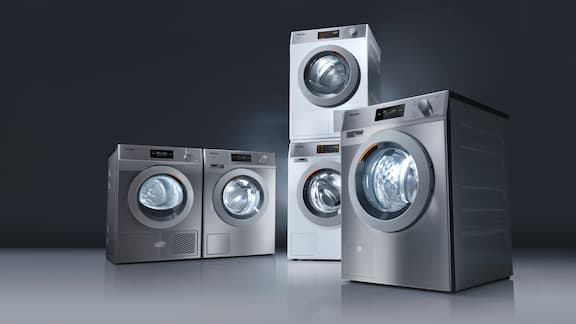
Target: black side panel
(480, 194)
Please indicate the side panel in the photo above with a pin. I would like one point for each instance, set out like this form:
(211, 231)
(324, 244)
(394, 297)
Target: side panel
(480, 195)
(374, 73)
(112, 207)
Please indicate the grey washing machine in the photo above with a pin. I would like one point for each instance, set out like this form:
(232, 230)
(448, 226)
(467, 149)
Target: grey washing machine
(154, 203)
(239, 203)
(425, 193)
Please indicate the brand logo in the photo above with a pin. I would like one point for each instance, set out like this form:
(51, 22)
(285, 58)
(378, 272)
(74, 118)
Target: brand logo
(353, 114)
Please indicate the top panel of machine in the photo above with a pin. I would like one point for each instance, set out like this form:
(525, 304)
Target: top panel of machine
(332, 33)
(159, 153)
(231, 157)
(308, 149)
(414, 109)
(432, 105)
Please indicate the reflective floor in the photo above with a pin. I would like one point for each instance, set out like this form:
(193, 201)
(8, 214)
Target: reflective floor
(59, 286)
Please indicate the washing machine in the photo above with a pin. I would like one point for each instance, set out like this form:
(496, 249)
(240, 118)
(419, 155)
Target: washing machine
(331, 69)
(426, 199)
(314, 199)
(154, 203)
(239, 203)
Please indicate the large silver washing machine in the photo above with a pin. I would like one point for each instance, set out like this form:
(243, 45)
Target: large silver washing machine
(154, 203)
(331, 69)
(239, 203)
(425, 193)
(314, 200)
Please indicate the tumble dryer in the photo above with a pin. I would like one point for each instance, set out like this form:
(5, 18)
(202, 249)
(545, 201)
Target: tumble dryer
(426, 194)
(314, 216)
(330, 69)
(154, 203)
(239, 203)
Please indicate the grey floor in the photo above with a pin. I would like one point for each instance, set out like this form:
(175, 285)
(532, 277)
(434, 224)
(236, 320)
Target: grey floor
(77, 285)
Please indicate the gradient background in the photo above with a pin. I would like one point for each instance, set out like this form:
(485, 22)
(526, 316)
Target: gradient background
(78, 78)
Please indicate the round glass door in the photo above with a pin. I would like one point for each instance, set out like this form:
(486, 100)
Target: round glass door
(393, 180)
(387, 181)
(329, 76)
(242, 197)
(160, 197)
(322, 193)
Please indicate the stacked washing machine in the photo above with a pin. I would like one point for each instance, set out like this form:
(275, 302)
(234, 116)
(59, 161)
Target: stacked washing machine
(331, 70)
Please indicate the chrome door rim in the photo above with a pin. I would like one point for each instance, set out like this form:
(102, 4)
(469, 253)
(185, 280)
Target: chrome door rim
(331, 221)
(219, 205)
(133, 204)
(349, 89)
(425, 181)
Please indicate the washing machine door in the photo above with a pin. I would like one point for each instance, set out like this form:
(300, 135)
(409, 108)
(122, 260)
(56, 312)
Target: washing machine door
(320, 194)
(240, 197)
(390, 181)
(160, 197)
(329, 76)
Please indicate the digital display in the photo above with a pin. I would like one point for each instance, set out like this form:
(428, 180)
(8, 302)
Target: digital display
(389, 112)
(332, 148)
(329, 34)
(241, 158)
(162, 154)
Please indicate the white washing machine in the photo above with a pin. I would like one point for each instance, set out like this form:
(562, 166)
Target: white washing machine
(314, 215)
(154, 203)
(330, 69)
(239, 203)
(425, 193)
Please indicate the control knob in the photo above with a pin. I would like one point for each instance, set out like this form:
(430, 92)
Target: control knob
(425, 107)
(263, 159)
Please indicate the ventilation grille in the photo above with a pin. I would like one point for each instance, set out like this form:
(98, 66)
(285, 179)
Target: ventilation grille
(184, 243)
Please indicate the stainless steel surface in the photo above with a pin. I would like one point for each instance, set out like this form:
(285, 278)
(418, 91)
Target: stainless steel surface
(314, 111)
(137, 234)
(364, 117)
(80, 286)
(226, 234)
(461, 238)
(311, 236)
(417, 252)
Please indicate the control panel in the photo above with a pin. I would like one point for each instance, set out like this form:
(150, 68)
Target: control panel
(344, 32)
(433, 105)
(308, 149)
(159, 153)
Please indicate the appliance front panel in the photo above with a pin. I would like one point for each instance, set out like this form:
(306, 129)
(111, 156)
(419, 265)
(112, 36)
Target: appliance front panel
(308, 240)
(136, 241)
(226, 235)
(315, 119)
(416, 256)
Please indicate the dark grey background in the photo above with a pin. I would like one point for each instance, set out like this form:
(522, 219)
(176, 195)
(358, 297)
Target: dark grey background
(77, 78)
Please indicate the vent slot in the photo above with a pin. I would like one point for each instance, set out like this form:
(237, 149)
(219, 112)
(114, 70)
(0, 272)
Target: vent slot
(184, 243)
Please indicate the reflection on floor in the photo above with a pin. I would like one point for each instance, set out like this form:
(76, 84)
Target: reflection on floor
(79, 285)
